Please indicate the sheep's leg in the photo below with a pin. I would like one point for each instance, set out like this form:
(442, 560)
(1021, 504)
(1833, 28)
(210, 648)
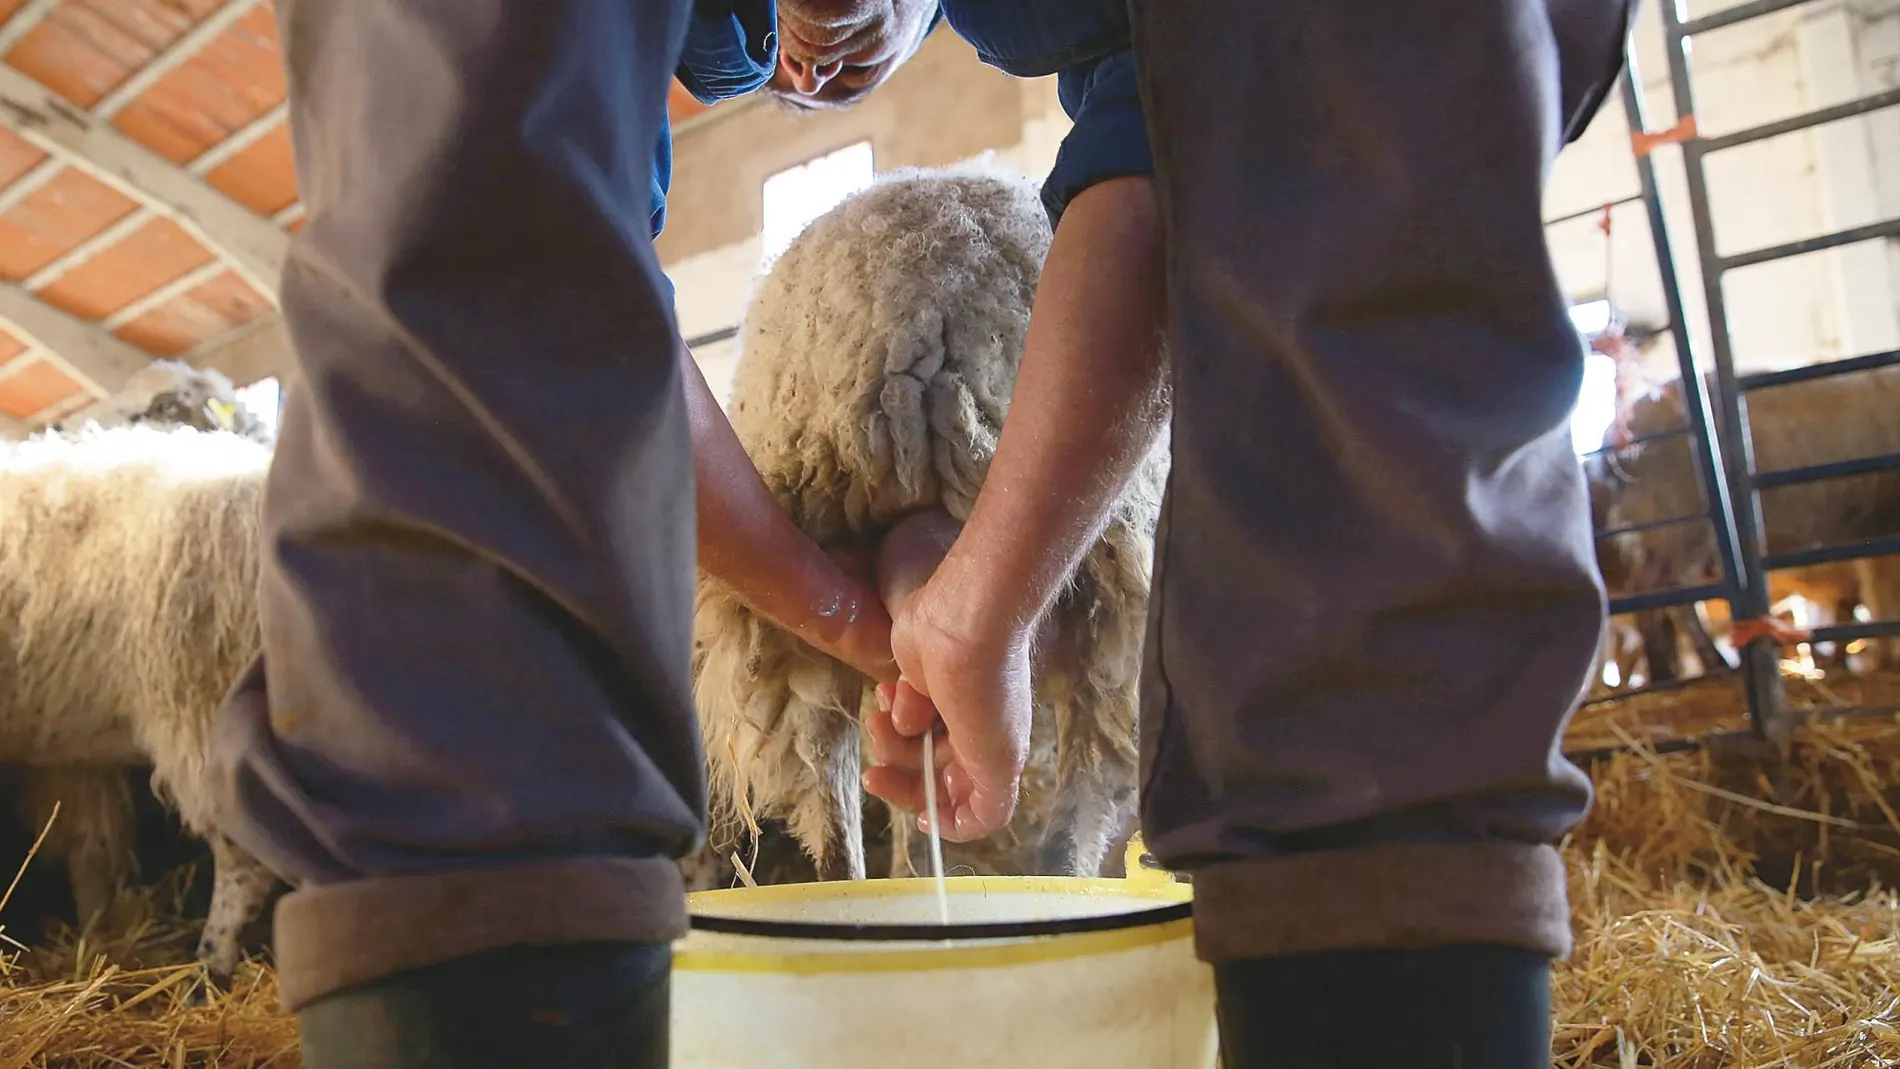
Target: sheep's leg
(1659, 645)
(92, 832)
(1880, 592)
(1689, 619)
(241, 887)
(1095, 782)
(827, 815)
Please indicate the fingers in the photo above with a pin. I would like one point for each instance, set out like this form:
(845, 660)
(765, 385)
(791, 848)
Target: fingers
(888, 747)
(911, 713)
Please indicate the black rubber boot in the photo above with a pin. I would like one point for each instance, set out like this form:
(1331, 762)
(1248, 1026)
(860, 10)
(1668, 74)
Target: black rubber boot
(586, 1006)
(1461, 1007)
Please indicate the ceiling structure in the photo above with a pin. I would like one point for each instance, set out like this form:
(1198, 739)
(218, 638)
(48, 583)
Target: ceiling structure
(147, 195)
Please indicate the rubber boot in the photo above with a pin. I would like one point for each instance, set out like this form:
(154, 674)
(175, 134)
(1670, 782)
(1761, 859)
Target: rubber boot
(1459, 1007)
(584, 1006)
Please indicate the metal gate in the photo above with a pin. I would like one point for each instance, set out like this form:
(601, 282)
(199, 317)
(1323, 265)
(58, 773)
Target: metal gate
(1721, 440)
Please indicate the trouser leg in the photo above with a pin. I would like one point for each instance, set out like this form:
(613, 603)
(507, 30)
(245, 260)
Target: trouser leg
(1375, 601)
(471, 725)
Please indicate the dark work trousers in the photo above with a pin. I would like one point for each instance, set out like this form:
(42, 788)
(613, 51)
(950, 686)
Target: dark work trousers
(471, 726)
(1376, 600)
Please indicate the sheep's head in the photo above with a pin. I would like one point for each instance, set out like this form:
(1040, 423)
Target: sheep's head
(170, 393)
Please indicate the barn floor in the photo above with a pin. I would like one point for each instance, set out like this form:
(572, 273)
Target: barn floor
(1714, 928)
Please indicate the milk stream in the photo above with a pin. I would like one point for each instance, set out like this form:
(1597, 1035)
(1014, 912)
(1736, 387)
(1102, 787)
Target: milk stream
(936, 837)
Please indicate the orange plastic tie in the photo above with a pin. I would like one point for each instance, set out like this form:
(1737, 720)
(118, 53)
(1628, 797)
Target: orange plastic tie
(1744, 632)
(1642, 142)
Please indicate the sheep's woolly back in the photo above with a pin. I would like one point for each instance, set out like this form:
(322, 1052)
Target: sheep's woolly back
(128, 573)
(878, 356)
(879, 353)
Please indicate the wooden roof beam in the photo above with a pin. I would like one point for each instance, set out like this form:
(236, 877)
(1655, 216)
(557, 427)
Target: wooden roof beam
(52, 124)
(104, 361)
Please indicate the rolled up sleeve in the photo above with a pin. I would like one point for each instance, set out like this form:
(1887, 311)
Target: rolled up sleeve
(1110, 135)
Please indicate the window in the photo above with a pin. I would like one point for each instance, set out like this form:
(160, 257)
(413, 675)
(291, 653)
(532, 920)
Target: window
(265, 399)
(796, 196)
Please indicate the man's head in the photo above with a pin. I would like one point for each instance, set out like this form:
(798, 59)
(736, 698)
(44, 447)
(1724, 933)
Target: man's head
(831, 53)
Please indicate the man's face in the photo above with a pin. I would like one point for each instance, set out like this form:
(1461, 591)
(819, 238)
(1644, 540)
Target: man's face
(833, 52)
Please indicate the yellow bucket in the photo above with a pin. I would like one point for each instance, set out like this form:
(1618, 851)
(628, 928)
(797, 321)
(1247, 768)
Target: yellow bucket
(1032, 971)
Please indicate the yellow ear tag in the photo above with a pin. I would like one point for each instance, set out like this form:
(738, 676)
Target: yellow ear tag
(224, 412)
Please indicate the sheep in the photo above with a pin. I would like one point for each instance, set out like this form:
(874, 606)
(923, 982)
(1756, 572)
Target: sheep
(172, 393)
(877, 359)
(1794, 425)
(128, 567)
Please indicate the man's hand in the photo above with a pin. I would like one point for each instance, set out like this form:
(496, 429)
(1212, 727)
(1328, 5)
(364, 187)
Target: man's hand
(979, 679)
(1089, 403)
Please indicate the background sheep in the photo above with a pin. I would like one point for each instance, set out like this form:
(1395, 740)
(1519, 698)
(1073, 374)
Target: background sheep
(128, 567)
(1791, 426)
(172, 393)
(878, 358)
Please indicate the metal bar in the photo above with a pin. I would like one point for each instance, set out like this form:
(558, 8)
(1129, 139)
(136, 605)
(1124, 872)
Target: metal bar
(1850, 632)
(1632, 528)
(1815, 473)
(24, 21)
(1667, 599)
(1802, 558)
(713, 337)
(1801, 122)
(1731, 451)
(79, 255)
(1727, 17)
(239, 139)
(29, 183)
(1762, 380)
(1659, 436)
(1683, 683)
(1886, 228)
(1587, 212)
(169, 291)
(180, 52)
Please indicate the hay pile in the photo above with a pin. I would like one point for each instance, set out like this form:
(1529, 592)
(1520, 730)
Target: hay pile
(1723, 920)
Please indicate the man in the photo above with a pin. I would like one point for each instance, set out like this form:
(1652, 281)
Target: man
(472, 748)
(1375, 598)
(469, 741)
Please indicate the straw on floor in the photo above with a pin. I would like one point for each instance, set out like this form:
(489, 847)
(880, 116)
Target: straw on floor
(1726, 917)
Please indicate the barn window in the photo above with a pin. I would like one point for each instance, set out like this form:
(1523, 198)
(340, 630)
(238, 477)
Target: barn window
(797, 195)
(1596, 405)
(265, 398)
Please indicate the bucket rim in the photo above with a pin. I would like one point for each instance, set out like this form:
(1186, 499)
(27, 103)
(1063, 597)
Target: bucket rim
(1179, 907)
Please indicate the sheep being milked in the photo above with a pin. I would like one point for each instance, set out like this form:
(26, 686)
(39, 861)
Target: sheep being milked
(877, 359)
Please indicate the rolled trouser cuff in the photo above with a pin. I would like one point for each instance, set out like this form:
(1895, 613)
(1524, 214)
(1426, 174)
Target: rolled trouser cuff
(336, 936)
(1396, 897)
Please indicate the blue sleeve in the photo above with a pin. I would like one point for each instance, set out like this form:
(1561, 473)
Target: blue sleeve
(1110, 135)
(731, 49)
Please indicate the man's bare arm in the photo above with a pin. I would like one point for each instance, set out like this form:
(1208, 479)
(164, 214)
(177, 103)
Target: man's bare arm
(748, 542)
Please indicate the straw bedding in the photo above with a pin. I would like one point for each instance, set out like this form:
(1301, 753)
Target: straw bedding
(1726, 916)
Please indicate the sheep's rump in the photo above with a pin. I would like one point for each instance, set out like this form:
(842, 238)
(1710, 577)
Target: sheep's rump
(878, 357)
(126, 556)
(1791, 426)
